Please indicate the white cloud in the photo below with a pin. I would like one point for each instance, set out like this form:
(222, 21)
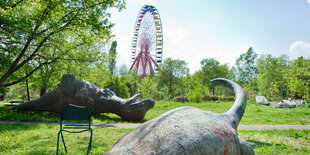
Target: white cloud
(140, 2)
(226, 54)
(181, 43)
(308, 1)
(299, 48)
(123, 50)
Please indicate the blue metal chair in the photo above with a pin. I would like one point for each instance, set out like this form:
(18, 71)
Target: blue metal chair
(74, 112)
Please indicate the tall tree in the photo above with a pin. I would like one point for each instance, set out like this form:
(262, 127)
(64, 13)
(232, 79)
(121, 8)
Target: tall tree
(133, 80)
(148, 87)
(123, 70)
(112, 58)
(270, 70)
(211, 68)
(298, 78)
(170, 74)
(246, 69)
(42, 32)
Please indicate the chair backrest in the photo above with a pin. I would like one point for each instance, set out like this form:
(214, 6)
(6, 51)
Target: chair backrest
(74, 112)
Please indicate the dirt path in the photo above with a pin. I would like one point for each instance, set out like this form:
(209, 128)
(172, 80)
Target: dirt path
(130, 126)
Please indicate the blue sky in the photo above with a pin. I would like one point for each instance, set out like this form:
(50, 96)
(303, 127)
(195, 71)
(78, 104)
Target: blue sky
(221, 29)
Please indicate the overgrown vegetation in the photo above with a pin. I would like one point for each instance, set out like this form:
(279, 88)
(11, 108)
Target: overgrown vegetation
(42, 139)
(276, 78)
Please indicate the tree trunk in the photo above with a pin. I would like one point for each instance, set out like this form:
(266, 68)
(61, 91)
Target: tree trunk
(28, 94)
(42, 91)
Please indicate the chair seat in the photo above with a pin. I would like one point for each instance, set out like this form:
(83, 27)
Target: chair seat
(84, 126)
(75, 126)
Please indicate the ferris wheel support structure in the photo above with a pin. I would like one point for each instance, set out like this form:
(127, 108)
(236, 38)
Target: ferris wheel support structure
(147, 41)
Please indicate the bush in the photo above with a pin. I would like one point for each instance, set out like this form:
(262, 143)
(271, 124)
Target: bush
(181, 99)
(227, 98)
(119, 88)
(195, 96)
(211, 98)
(216, 98)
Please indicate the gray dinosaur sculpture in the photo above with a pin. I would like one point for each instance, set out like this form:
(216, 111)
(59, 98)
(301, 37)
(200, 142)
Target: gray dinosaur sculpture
(83, 93)
(188, 130)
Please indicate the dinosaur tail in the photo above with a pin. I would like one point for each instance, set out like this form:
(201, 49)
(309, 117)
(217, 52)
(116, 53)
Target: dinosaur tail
(40, 104)
(235, 113)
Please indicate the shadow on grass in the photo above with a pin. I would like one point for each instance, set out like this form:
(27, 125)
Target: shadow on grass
(276, 148)
(107, 116)
(258, 144)
(27, 116)
(18, 127)
(113, 118)
(43, 116)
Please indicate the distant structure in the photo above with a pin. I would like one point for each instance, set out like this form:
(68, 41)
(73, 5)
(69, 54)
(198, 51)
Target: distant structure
(147, 41)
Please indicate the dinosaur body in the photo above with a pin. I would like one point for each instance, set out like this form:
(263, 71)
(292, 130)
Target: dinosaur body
(188, 130)
(83, 93)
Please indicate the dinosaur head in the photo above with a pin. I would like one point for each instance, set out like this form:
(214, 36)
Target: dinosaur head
(135, 108)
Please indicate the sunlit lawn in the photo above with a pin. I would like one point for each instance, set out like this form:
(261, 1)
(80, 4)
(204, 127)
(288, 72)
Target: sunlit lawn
(42, 139)
(255, 114)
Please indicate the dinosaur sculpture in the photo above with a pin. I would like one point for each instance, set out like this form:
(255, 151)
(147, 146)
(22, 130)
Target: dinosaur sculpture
(188, 130)
(83, 93)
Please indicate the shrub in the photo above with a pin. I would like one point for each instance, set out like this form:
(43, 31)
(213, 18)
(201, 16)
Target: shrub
(211, 98)
(195, 96)
(181, 99)
(227, 98)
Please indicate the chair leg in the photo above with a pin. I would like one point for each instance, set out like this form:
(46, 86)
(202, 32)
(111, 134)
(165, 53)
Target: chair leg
(57, 143)
(63, 140)
(89, 144)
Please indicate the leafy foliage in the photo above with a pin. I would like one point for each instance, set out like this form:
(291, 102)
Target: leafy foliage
(38, 33)
(170, 75)
(246, 71)
(119, 87)
(149, 87)
(112, 58)
(298, 77)
(271, 71)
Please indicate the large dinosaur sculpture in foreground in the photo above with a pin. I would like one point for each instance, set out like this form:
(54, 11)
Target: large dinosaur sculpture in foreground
(83, 93)
(188, 130)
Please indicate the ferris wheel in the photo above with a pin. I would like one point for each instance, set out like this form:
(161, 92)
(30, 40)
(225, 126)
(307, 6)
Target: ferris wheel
(147, 41)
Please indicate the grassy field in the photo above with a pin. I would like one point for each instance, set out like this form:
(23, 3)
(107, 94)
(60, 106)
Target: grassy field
(42, 139)
(254, 114)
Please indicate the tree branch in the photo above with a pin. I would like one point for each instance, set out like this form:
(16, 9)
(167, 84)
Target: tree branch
(27, 75)
(13, 66)
(14, 5)
(59, 58)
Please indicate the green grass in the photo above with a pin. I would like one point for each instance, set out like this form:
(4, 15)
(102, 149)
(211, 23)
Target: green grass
(42, 139)
(278, 141)
(254, 114)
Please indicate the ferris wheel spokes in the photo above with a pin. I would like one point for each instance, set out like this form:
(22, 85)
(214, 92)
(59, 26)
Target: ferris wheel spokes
(147, 41)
